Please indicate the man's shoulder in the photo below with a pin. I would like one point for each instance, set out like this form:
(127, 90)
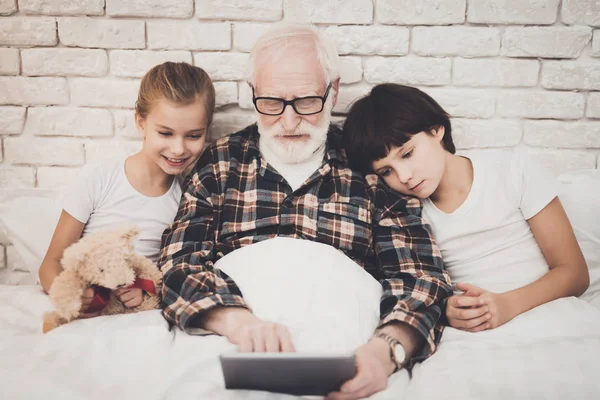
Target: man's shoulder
(387, 200)
(235, 142)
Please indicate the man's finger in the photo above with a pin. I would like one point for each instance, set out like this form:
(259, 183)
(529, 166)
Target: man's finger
(246, 344)
(272, 342)
(258, 343)
(287, 346)
(355, 384)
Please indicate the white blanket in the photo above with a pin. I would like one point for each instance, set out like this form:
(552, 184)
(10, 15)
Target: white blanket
(135, 356)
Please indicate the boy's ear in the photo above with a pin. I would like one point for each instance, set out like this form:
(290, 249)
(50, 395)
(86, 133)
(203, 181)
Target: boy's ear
(439, 132)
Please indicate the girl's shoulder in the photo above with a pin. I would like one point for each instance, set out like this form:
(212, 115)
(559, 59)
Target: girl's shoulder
(103, 170)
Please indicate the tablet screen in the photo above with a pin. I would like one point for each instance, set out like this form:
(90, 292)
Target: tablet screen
(292, 373)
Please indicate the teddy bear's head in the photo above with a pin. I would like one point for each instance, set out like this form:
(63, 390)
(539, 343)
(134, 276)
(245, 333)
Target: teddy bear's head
(104, 258)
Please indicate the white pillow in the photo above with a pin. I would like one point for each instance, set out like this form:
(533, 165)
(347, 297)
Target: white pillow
(579, 193)
(328, 302)
(29, 223)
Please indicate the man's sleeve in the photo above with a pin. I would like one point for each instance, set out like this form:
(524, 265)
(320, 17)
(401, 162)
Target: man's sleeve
(415, 283)
(191, 285)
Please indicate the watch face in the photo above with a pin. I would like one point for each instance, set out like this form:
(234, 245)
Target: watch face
(399, 354)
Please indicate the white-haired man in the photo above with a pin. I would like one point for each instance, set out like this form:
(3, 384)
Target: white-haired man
(293, 154)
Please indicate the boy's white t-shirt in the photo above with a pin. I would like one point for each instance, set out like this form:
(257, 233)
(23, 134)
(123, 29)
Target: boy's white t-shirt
(487, 241)
(102, 198)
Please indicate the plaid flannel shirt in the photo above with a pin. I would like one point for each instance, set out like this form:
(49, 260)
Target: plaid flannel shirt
(233, 198)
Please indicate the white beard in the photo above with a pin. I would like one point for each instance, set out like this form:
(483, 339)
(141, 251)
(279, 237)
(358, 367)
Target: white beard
(290, 152)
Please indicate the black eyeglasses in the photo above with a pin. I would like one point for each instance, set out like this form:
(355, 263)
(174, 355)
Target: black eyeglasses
(308, 105)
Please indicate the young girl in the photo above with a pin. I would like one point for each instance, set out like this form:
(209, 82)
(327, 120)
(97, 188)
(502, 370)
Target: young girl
(174, 109)
(504, 236)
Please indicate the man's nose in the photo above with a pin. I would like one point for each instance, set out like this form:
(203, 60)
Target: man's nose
(290, 119)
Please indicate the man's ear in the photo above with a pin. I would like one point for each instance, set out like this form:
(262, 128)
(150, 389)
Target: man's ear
(336, 86)
(140, 123)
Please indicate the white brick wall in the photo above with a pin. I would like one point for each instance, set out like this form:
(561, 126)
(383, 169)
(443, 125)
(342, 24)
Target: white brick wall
(581, 12)
(512, 73)
(593, 105)
(28, 31)
(9, 61)
(367, 40)
(64, 62)
(150, 8)
(257, 10)
(408, 70)
(62, 7)
(420, 12)
(548, 42)
(68, 121)
(491, 72)
(8, 7)
(513, 11)
(596, 44)
(135, 63)
(103, 33)
(455, 41)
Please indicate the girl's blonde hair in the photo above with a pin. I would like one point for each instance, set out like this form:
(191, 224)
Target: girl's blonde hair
(178, 82)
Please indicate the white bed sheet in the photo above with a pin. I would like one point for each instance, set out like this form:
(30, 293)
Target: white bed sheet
(130, 356)
(135, 356)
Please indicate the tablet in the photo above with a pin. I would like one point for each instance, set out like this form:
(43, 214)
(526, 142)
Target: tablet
(291, 373)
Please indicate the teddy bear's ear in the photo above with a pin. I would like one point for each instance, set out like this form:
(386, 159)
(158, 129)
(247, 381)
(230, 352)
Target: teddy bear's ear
(129, 232)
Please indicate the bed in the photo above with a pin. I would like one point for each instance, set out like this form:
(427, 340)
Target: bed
(136, 356)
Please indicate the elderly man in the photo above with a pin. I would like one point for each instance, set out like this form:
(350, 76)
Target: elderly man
(292, 155)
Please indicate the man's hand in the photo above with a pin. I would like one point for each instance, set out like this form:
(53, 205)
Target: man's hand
(499, 307)
(250, 333)
(373, 366)
(130, 297)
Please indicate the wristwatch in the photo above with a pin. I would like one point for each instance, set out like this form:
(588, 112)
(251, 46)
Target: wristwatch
(397, 352)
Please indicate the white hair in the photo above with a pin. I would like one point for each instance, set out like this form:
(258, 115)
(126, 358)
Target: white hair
(284, 36)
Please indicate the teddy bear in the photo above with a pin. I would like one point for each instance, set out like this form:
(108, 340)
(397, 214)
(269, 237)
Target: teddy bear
(105, 261)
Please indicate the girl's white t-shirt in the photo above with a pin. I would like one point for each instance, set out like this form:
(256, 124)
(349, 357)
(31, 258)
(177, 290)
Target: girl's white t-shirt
(102, 198)
(487, 240)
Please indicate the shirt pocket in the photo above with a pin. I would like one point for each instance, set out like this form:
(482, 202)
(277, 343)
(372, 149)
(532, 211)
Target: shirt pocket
(345, 226)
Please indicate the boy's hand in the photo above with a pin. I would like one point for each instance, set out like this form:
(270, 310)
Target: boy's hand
(86, 300)
(500, 306)
(468, 311)
(130, 297)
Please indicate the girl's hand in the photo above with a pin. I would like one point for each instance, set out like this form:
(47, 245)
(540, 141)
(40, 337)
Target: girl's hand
(467, 312)
(130, 297)
(500, 306)
(86, 300)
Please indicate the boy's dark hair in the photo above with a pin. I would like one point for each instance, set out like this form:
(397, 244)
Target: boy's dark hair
(388, 117)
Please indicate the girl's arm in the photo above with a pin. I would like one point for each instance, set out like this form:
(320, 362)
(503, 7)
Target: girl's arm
(568, 275)
(68, 230)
